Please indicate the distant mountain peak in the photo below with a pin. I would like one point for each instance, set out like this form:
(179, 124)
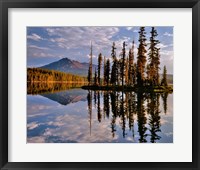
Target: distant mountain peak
(63, 59)
(69, 66)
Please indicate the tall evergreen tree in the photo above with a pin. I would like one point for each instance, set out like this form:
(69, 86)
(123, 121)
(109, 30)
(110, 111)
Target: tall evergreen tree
(164, 78)
(95, 77)
(127, 71)
(90, 67)
(104, 71)
(89, 76)
(134, 73)
(148, 74)
(107, 72)
(157, 66)
(123, 62)
(114, 65)
(141, 59)
(131, 65)
(154, 59)
(99, 68)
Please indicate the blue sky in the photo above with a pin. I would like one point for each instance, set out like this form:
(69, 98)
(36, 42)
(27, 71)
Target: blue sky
(49, 44)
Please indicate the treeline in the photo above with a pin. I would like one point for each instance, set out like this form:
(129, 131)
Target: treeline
(43, 75)
(128, 70)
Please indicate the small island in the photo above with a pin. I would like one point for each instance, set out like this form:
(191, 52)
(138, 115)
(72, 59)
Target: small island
(129, 73)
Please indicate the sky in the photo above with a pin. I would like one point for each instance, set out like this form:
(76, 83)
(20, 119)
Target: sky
(48, 44)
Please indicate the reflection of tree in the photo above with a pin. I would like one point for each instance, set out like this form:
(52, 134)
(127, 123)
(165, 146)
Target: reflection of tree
(95, 98)
(124, 106)
(106, 105)
(164, 98)
(122, 114)
(141, 118)
(154, 117)
(98, 107)
(89, 99)
(114, 106)
(131, 110)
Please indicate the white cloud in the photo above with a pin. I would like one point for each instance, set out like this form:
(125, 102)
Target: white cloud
(39, 48)
(93, 56)
(35, 37)
(168, 34)
(136, 31)
(32, 125)
(166, 53)
(58, 40)
(37, 52)
(42, 55)
(132, 29)
(162, 46)
(129, 28)
(80, 37)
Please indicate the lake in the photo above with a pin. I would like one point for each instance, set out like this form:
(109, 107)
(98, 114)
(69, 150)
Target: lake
(69, 114)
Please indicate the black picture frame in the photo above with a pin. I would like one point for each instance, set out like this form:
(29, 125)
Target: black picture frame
(6, 4)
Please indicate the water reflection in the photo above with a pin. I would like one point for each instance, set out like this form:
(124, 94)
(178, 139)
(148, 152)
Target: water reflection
(124, 105)
(38, 88)
(76, 115)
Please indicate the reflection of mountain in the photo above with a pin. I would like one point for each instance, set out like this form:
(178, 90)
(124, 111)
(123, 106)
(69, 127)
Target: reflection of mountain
(69, 66)
(68, 96)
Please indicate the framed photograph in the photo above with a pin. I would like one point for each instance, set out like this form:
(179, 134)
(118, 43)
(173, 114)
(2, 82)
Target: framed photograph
(99, 85)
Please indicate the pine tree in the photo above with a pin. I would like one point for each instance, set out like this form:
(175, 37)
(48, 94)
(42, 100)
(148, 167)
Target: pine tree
(114, 66)
(127, 71)
(104, 71)
(123, 62)
(107, 75)
(95, 77)
(90, 67)
(99, 68)
(154, 59)
(89, 77)
(141, 59)
(134, 73)
(164, 78)
(157, 66)
(148, 75)
(131, 65)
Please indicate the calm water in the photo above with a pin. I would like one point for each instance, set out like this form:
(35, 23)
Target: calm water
(76, 115)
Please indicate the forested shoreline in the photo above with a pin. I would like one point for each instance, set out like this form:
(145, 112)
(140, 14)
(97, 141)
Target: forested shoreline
(44, 75)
